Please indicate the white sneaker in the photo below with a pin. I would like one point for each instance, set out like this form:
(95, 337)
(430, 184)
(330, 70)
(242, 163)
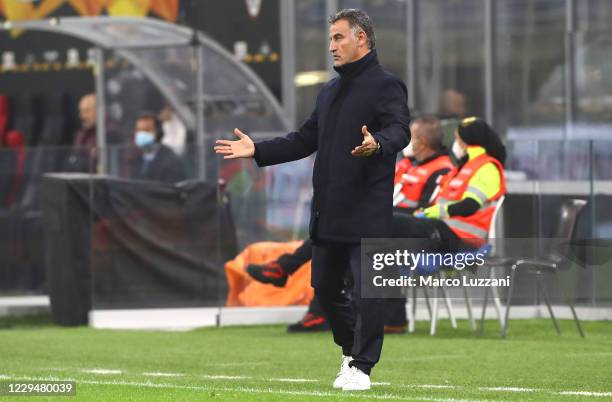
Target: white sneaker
(344, 372)
(357, 381)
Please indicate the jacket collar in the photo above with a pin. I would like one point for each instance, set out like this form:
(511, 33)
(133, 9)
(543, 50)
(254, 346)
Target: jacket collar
(474, 151)
(442, 152)
(355, 68)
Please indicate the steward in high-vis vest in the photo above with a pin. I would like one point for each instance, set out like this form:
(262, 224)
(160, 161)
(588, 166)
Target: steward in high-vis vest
(417, 176)
(426, 161)
(460, 218)
(468, 196)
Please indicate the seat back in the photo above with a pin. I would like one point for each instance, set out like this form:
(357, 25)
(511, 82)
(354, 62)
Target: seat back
(492, 236)
(568, 215)
(492, 231)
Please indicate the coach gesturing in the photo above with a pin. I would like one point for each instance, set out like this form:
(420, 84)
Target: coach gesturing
(359, 123)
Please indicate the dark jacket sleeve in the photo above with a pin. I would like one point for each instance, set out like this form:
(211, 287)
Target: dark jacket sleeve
(296, 145)
(429, 188)
(465, 207)
(394, 117)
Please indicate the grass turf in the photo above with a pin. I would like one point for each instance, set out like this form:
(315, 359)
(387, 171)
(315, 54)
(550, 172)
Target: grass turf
(263, 363)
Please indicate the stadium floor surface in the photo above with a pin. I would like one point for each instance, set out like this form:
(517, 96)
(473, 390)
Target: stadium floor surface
(263, 363)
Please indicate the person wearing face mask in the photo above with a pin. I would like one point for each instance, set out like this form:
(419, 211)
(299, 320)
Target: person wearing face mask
(425, 161)
(467, 196)
(155, 161)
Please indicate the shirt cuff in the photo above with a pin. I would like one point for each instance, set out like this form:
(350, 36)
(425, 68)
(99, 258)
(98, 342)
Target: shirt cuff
(379, 151)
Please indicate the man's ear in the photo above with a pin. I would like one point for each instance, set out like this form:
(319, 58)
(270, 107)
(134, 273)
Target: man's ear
(362, 39)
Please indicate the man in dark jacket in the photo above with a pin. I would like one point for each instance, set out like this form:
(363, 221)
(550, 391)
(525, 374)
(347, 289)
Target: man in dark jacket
(155, 161)
(84, 153)
(359, 123)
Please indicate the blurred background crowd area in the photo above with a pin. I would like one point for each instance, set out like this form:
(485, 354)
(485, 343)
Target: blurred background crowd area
(538, 71)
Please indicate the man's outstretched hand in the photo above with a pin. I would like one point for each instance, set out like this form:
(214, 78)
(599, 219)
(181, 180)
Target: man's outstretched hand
(368, 147)
(241, 148)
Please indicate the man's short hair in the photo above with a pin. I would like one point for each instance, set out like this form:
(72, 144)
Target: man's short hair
(358, 20)
(147, 115)
(432, 127)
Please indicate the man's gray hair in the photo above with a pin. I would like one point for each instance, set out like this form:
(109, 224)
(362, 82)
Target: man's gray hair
(358, 21)
(432, 127)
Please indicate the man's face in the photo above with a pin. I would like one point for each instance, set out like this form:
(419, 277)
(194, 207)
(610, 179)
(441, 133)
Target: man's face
(454, 103)
(146, 124)
(345, 46)
(87, 111)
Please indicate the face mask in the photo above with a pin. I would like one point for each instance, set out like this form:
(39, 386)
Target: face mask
(144, 139)
(408, 151)
(458, 151)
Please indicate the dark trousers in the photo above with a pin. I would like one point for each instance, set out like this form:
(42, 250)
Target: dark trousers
(292, 261)
(441, 239)
(357, 324)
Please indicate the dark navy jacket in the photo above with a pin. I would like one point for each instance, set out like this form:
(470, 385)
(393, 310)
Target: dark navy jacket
(352, 196)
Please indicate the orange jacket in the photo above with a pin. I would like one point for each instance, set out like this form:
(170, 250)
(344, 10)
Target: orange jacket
(412, 179)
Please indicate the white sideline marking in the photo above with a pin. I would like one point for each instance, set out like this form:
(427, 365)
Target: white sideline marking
(510, 389)
(250, 390)
(101, 371)
(225, 377)
(308, 393)
(585, 393)
(162, 374)
(292, 380)
(434, 386)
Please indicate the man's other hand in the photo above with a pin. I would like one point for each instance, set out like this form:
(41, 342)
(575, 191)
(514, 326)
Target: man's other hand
(241, 148)
(368, 147)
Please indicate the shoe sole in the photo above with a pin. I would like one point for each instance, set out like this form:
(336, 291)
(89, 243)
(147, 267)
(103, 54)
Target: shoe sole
(338, 386)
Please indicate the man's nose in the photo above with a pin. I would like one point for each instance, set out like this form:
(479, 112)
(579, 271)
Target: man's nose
(332, 48)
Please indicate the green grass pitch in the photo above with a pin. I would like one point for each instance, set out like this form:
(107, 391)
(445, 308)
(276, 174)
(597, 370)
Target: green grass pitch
(263, 363)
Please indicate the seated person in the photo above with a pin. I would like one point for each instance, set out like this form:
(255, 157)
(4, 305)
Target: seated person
(84, 153)
(155, 161)
(426, 161)
(464, 207)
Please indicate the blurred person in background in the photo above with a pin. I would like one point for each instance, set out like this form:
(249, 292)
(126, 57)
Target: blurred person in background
(84, 153)
(453, 104)
(175, 132)
(425, 161)
(461, 214)
(417, 177)
(154, 161)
